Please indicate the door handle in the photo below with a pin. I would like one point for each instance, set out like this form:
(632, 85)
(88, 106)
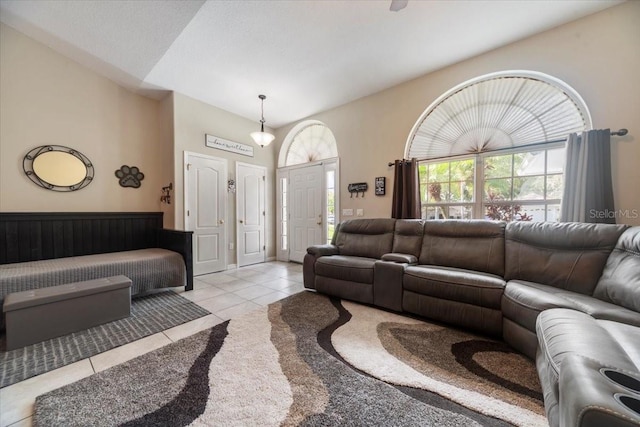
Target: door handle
(319, 220)
(221, 221)
(241, 222)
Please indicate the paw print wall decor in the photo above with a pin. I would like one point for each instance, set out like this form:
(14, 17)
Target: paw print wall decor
(129, 176)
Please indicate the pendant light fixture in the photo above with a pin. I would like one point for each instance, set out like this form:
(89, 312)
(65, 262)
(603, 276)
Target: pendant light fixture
(262, 138)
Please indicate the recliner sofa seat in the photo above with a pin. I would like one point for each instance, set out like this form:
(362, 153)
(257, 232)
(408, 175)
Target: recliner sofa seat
(457, 278)
(348, 271)
(348, 277)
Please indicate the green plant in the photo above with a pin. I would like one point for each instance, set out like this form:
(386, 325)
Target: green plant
(504, 211)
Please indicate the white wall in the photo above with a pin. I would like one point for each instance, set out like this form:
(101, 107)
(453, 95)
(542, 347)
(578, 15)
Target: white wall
(598, 55)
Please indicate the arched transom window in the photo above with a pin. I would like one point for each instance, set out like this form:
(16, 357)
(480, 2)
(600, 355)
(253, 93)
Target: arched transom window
(309, 141)
(497, 111)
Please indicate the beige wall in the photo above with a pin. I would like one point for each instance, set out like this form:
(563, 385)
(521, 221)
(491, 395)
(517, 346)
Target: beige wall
(192, 120)
(165, 120)
(599, 56)
(48, 99)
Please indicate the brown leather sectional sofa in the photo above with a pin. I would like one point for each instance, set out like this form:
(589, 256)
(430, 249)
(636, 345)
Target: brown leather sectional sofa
(566, 294)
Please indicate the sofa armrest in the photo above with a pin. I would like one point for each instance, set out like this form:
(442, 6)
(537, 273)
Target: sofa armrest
(181, 242)
(309, 262)
(387, 284)
(323, 250)
(402, 258)
(589, 399)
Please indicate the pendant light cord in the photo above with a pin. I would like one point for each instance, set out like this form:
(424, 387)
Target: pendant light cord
(262, 98)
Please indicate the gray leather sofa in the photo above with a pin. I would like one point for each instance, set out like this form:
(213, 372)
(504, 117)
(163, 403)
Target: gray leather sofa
(558, 265)
(459, 275)
(589, 369)
(497, 279)
(348, 271)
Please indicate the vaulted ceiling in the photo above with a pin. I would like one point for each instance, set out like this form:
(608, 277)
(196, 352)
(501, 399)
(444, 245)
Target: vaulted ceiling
(306, 56)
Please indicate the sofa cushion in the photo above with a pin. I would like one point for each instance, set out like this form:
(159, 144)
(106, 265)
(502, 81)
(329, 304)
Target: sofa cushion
(620, 280)
(407, 237)
(523, 301)
(469, 244)
(465, 286)
(348, 268)
(354, 291)
(148, 269)
(369, 238)
(568, 255)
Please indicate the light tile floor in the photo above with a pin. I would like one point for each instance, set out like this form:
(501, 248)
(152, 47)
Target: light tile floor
(226, 294)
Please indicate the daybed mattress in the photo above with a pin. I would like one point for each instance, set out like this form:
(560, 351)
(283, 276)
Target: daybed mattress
(147, 268)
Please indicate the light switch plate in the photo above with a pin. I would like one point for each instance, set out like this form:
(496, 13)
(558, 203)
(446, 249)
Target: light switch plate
(360, 212)
(347, 212)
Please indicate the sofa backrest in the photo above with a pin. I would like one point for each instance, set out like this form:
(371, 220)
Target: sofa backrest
(407, 237)
(565, 255)
(470, 244)
(620, 280)
(369, 238)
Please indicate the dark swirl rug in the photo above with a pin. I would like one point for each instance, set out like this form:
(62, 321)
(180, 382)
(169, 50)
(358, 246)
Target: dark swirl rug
(309, 360)
(150, 314)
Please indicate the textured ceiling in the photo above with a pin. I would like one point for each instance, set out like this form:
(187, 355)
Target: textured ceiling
(306, 56)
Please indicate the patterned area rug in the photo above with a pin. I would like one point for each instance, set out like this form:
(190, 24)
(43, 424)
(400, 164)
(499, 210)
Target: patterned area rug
(149, 314)
(306, 361)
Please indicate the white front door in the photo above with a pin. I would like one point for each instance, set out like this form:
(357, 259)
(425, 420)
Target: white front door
(306, 210)
(206, 207)
(250, 210)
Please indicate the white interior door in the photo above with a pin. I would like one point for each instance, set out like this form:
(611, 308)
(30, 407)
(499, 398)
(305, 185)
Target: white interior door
(206, 207)
(306, 210)
(250, 211)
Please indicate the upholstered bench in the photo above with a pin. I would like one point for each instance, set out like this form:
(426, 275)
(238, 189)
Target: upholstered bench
(40, 314)
(152, 268)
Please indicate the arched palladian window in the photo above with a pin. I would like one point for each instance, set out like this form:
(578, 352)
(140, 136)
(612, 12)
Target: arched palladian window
(493, 147)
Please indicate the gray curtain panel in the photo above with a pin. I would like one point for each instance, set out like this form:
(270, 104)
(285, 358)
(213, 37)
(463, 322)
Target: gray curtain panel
(406, 190)
(588, 189)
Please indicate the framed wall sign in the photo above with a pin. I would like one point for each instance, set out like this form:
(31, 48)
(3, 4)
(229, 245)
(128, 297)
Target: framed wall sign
(357, 188)
(380, 185)
(226, 145)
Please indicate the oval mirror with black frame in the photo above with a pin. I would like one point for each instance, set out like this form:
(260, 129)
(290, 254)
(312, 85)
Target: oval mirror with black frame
(58, 168)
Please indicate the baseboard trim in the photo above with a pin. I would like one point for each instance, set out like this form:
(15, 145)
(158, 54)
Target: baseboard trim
(232, 266)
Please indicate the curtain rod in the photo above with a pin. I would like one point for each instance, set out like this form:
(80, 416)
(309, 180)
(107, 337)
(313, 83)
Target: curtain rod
(620, 132)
